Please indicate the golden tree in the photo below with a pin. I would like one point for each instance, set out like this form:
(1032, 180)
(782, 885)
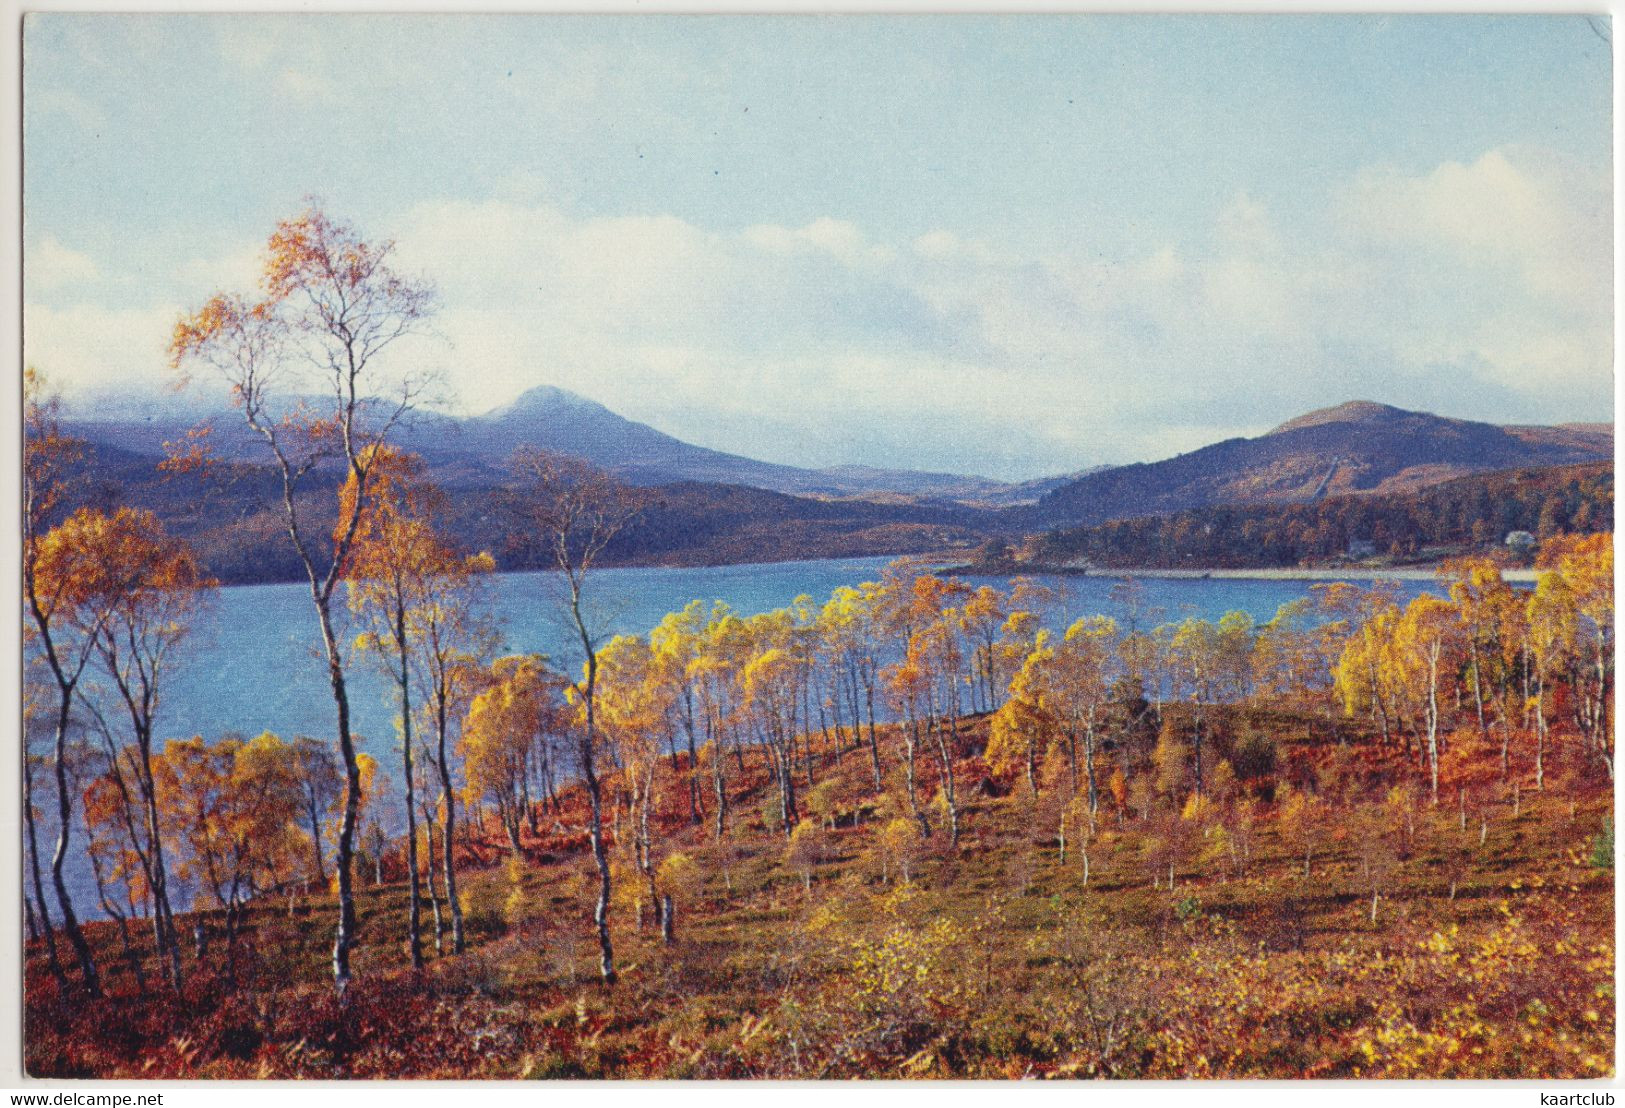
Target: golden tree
(64, 616)
(507, 722)
(396, 569)
(636, 702)
(569, 512)
(1426, 637)
(329, 305)
(151, 588)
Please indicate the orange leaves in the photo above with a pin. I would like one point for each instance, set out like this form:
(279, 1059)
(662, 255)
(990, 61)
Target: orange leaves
(312, 248)
(117, 559)
(193, 333)
(330, 303)
(293, 250)
(94, 568)
(402, 575)
(235, 804)
(194, 453)
(384, 514)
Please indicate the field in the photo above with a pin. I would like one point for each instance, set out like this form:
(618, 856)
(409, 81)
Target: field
(1201, 944)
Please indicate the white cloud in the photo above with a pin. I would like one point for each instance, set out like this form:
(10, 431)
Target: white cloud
(1483, 289)
(53, 267)
(1507, 260)
(835, 237)
(84, 347)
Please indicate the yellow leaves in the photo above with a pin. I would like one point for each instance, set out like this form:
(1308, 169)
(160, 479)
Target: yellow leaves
(920, 1063)
(519, 700)
(516, 908)
(752, 1026)
(824, 918)
(1198, 809)
(905, 964)
(678, 873)
(1442, 942)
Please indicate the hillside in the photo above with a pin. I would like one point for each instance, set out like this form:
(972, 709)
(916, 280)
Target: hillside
(233, 519)
(1473, 513)
(1353, 448)
(1290, 495)
(1282, 849)
(1484, 953)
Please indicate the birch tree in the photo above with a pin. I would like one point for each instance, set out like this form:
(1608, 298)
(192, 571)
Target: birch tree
(329, 306)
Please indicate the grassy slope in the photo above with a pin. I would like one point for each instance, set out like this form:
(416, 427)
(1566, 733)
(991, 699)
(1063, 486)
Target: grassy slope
(999, 961)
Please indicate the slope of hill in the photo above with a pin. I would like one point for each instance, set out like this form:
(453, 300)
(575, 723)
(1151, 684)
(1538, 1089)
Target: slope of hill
(1357, 447)
(1472, 513)
(705, 506)
(233, 519)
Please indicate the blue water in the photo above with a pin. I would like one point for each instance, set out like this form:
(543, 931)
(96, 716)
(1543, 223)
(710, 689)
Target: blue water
(254, 663)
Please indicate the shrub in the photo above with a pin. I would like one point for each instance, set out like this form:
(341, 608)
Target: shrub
(1602, 846)
(1254, 756)
(484, 911)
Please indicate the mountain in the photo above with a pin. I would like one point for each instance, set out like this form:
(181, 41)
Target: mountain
(706, 506)
(555, 419)
(1358, 447)
(474, 450)
(1470, 514)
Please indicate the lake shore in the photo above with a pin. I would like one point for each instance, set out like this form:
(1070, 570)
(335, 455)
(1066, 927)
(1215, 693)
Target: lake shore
(1283, 573)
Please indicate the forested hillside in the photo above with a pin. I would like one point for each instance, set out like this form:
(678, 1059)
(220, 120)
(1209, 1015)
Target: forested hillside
(1465, 514)
(231, 516)
(1352, 448)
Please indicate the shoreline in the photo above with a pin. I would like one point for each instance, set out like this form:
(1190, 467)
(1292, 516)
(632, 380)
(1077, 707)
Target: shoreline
(1517, 575)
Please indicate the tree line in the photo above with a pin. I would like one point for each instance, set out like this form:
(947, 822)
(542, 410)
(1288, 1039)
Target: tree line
(1467, 513)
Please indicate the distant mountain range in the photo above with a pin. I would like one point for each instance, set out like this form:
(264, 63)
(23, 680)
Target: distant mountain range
(476, 449)
(1358, 447)
(706, 506)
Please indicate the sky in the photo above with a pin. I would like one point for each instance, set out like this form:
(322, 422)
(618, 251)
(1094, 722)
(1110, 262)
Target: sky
(1009, 246)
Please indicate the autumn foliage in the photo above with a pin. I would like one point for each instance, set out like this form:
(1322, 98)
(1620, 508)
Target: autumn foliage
(1355, 840)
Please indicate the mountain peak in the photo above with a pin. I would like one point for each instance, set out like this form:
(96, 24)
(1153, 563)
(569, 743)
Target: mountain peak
(1352, 411)
(1357, 447)
(547, 400)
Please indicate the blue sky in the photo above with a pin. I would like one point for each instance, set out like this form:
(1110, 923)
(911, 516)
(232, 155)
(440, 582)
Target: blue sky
(1011, 246)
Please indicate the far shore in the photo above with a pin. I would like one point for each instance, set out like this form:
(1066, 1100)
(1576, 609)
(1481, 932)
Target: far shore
(1520, 576)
